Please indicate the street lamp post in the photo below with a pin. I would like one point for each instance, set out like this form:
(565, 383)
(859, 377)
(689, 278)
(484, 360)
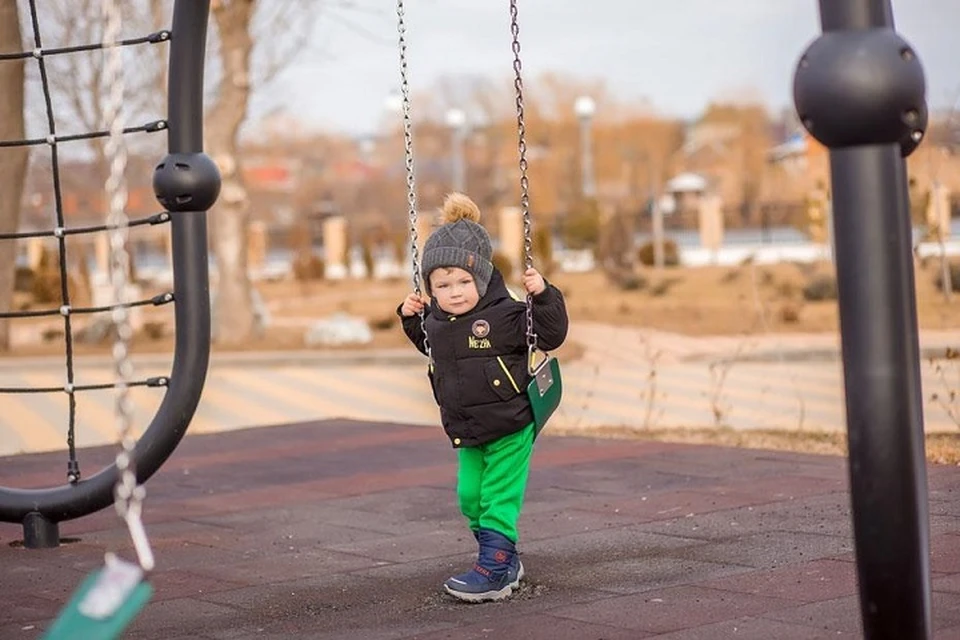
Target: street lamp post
(457, 121)
(656, 215)
(585, 108)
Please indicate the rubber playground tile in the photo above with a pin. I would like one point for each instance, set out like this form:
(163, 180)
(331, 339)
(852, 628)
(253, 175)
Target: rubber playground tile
(753, 629)
(769, 549)
(667, 505)
(232, 550)
(671, 609)
(534, 627)
(807, 582)
(631, 576)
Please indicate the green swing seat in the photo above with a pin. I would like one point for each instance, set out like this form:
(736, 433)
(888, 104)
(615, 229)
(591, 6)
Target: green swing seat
(104, 604)
(545, 391)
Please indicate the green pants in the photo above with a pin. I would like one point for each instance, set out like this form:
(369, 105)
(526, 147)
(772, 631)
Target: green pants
(492, 481)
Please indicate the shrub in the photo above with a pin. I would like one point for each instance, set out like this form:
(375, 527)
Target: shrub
(663, 287)
(786, 289)
(821, 287)
(23, 280)
(383, 323)
(46, 286)
(154, 329)
(789, 313)
(626, 280)
(671, 254)
(581, 228)
(502, 263)
(731, 276)
(308, 267)
(954, 277)
(543, 250)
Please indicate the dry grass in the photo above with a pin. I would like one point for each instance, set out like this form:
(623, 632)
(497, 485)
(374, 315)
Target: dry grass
(730, 300)
(940, 448)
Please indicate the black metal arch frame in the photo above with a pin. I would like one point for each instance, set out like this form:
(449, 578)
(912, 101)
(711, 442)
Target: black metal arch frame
(187, 184)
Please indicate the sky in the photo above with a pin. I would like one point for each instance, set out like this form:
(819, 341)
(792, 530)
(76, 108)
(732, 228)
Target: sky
(677, 54)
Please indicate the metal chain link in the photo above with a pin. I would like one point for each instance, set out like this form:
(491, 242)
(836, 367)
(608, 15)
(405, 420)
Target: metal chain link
(408, 162)
(128, 495)
(524, 181)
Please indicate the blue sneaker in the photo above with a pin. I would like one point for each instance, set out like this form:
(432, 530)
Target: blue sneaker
(493, 576)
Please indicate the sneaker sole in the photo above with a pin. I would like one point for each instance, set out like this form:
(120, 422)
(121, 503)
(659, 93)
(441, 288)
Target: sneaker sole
(486, 596)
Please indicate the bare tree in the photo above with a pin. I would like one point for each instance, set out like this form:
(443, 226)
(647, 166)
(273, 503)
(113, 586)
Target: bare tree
(13, 161)
(253, 41)
(234, 302)
(77, 80)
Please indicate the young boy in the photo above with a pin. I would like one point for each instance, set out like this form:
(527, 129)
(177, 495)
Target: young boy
(476, 335)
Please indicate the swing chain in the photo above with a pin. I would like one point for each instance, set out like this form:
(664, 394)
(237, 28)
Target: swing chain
(524, 181)
(408, 163)
(128, 495)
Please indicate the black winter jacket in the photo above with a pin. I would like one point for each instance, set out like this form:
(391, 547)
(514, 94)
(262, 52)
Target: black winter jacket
(480, 376)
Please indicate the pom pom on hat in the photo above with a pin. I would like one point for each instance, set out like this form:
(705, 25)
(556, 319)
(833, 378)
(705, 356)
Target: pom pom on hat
(457, 206)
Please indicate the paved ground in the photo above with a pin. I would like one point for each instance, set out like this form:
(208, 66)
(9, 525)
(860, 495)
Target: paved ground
(625, 377)
(344, 530)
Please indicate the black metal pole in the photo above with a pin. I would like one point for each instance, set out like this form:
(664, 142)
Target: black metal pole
(859, 90)
(187, 183)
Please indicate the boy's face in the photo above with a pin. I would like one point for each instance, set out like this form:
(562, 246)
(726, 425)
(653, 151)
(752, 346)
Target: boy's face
(454, 289)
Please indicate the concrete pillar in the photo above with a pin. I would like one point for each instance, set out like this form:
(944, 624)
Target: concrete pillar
(335, 247)
(257, 246)
(101, 253)
(511, 238)
(711, 222)
(34, 252)
(938, 212)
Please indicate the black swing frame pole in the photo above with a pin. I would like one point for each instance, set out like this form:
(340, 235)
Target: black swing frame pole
(860, 90)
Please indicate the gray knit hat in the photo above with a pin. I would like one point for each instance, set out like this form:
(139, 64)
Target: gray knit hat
(459, 242)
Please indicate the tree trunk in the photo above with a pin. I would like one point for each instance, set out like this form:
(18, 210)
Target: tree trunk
(230, 220)
(13, 161)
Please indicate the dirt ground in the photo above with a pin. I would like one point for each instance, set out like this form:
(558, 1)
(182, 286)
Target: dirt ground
(743, 299)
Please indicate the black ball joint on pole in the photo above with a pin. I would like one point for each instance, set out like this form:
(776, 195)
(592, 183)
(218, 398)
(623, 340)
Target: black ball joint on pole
(857, 88)
(186, 182)
(860, 91)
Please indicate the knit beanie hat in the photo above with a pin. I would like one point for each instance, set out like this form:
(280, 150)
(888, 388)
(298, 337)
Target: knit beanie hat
(459, 242)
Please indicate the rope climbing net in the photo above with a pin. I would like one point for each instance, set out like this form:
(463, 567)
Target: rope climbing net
(116, 222)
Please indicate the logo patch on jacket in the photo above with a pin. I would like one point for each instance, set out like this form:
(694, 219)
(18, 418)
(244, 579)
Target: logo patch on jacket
(480, 328)
(478, 343)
